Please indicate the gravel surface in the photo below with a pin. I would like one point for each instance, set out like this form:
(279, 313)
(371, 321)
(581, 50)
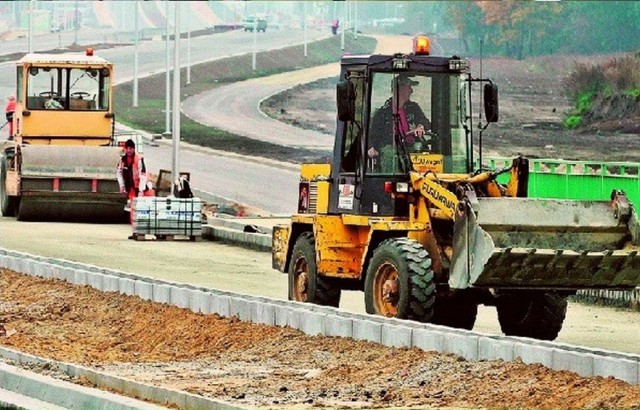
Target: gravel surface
(262, 366)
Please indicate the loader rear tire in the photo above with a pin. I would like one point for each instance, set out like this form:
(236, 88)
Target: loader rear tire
(538, 315)
(457, 310)
(399, 281)
(8, 203)
(305, 285)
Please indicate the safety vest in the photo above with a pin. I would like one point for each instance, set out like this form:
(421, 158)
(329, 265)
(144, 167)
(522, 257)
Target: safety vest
(137, 171)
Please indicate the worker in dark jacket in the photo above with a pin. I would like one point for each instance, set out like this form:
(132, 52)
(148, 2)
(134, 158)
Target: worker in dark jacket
(401, 116)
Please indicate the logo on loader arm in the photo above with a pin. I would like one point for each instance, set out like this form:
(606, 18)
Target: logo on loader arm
(424, 162)
(439, 196)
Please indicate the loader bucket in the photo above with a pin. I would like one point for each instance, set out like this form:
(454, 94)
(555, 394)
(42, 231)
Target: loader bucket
(70, 183)
(543, 243)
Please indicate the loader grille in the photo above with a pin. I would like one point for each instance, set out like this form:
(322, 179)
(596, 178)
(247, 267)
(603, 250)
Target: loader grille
(313, 197)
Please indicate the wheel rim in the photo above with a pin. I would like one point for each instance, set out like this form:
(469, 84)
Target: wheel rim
(386, 289)
(301, 281)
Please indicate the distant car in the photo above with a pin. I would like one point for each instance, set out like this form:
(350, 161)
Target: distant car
(249, 23)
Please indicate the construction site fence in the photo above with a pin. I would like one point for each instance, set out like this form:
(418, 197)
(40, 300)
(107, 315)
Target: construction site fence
(582, 180)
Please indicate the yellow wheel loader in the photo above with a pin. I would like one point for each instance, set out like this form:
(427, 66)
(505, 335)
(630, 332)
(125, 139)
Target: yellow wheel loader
(403, 214)
(60, 164)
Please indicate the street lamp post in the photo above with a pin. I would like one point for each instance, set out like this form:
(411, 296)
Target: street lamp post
(305, 28)
(189, 56)
(167, 79)
(344, 25)
(31, 26)
(255, 42)
(175, 163)
(355, 20)
(135, 56)
(75, 24)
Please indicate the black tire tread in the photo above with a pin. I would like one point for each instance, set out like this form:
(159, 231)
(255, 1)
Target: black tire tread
(421, 295)
(455, 310)
(326, 292)
(538, 315)
(7, 203)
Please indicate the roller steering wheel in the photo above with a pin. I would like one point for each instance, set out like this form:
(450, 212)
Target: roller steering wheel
(48, 94)
(80, 94)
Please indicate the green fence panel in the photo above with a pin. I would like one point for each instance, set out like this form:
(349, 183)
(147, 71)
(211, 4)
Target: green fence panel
(580, 180)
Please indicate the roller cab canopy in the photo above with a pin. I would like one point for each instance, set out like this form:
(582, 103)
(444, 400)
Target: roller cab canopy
(64, 99)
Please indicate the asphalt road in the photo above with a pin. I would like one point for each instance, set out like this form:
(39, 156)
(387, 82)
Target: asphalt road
(263, 184)
(271, 188)
(235, 108)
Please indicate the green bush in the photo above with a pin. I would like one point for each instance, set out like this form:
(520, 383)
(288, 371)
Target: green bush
(572, 122)
(635, 93)
(585, 78)
(583, 105)
(613, 78)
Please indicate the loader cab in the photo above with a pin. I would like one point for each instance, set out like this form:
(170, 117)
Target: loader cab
(376, 147)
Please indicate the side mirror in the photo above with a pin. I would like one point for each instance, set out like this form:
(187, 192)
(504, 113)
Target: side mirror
(491, 102)
(346, 98)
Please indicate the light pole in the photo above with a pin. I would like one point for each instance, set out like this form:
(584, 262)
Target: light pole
(167, 77)
(255, 42)
(31, 26)
(305, 28)
(135, 56)
(189, 56)
(344, 24)
(355, 20)
(75, 24)
(175, 163)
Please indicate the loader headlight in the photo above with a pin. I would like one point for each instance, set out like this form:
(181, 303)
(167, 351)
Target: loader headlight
(400, 62)
(402, 187)
(396, 187)
(457, 65)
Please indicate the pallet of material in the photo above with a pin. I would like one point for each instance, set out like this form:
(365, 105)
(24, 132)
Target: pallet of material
(167, 217)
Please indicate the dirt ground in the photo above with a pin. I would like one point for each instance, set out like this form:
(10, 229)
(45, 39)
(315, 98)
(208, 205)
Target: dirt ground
(270, 367)
(532, 108)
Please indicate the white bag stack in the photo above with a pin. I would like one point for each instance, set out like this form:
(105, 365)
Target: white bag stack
(163, 216)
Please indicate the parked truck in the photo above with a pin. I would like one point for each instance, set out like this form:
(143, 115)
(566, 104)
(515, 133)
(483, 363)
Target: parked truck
(60, 163)
(428, 233)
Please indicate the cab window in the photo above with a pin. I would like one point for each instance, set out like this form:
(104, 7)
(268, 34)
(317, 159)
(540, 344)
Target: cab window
(72, 89)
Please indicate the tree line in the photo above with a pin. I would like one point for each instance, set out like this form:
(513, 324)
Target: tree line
(519, 29)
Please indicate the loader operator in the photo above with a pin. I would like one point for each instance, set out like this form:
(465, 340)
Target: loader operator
(132, 174)
(401, 114)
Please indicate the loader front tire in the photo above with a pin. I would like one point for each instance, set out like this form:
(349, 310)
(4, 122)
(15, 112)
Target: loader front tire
(538, 315)
(399, 281)
(305, 285)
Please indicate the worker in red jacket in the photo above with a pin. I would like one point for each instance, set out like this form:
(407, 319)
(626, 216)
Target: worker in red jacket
(9, 109)
(132, 175)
